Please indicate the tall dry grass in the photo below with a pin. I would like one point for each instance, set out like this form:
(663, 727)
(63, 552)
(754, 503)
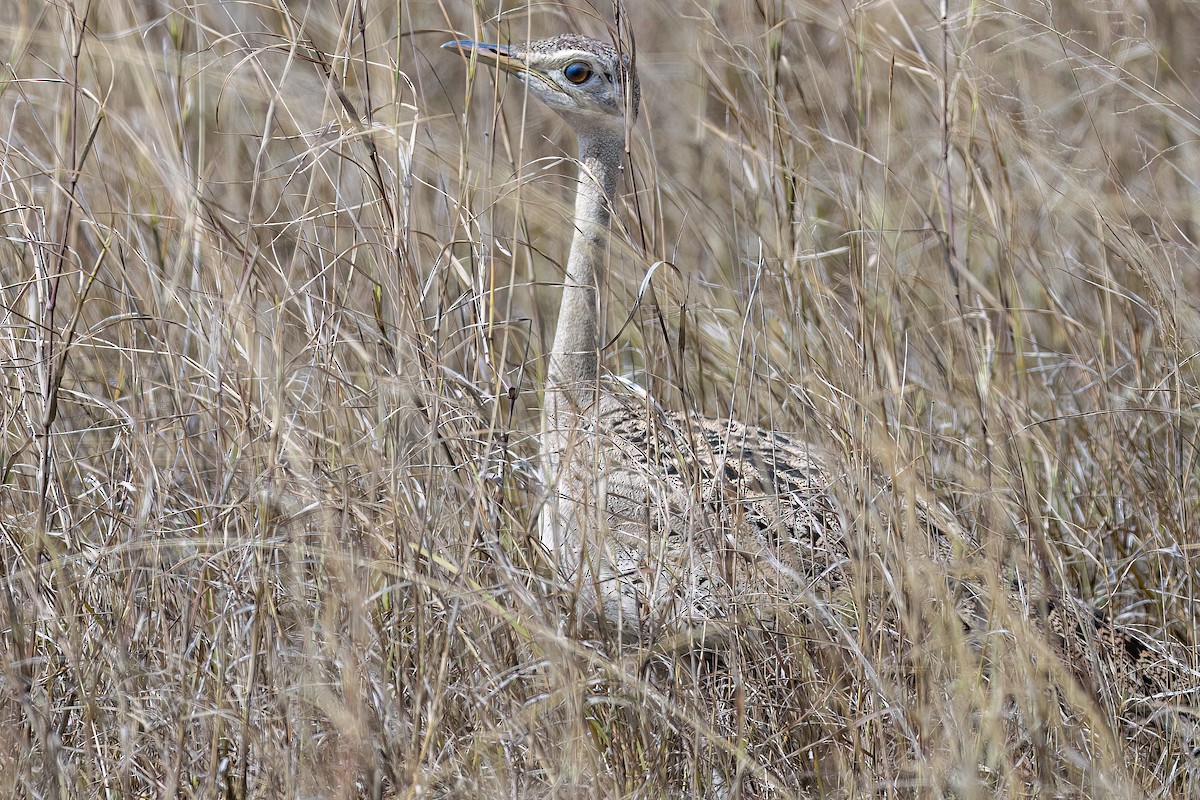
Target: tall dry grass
(275, 282)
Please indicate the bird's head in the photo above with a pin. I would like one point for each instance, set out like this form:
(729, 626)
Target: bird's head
(586, 81)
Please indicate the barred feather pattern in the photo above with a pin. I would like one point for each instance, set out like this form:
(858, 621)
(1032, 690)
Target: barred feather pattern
(678, 518)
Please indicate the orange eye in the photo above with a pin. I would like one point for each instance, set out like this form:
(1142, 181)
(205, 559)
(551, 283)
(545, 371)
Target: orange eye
(577, 72)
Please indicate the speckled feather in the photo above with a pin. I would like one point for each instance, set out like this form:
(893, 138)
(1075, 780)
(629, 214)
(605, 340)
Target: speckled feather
(696, 516)
(604, 51)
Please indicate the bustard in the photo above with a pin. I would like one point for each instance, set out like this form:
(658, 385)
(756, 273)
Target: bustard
(662, 520)
(642, 505)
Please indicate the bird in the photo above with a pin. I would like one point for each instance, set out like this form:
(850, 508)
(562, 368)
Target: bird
(642, 505)
(663, 522)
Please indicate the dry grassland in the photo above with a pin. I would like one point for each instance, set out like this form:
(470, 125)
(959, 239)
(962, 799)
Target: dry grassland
(275, 283)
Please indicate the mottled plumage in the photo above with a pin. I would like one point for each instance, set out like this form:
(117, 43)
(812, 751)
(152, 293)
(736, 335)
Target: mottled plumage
(678, 518)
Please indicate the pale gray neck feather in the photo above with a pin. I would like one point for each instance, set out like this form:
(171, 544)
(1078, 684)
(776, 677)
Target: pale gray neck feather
(574, 357)
(573, 371)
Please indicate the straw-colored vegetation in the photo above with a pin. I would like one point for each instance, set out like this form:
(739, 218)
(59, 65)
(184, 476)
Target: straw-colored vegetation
(276, 279)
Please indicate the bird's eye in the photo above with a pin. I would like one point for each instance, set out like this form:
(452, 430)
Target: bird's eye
(577, 72)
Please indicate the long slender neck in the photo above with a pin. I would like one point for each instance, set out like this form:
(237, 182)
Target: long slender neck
(573, 367)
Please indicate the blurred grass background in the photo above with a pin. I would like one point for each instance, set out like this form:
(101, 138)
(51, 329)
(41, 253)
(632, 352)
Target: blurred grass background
(273, 281)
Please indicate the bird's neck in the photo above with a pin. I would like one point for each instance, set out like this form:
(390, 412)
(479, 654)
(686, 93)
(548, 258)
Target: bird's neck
(573, 367)
(571, 376)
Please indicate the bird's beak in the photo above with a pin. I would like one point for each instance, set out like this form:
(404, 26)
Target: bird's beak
(494, 55)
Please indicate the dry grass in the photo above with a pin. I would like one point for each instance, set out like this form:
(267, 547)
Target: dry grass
(272, 319)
